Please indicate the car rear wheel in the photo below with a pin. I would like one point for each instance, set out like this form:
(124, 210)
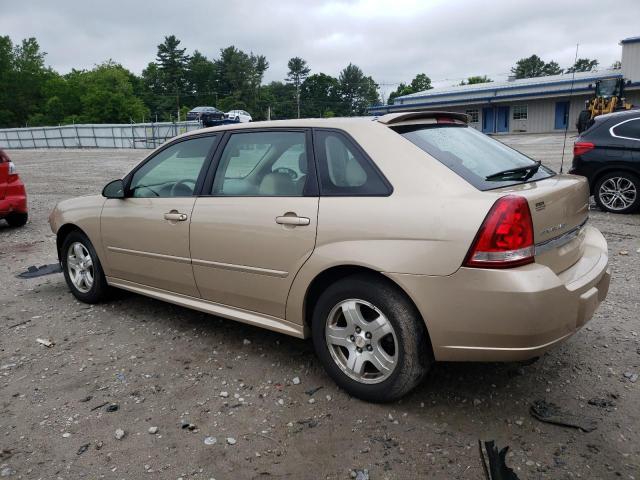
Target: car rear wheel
(82, 269)
(370, 338)
(618, 192)
(17, 219)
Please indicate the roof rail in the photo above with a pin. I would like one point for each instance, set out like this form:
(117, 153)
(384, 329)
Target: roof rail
(393, 118)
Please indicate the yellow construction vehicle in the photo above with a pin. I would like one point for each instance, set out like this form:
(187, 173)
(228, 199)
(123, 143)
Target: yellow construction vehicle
(609, 97)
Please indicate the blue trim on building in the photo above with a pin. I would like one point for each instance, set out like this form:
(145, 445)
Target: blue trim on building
(630, 40)
(483, 100)
(508, 87)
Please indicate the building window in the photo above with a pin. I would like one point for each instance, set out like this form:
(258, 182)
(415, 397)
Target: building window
(474, 115)
(520, 112)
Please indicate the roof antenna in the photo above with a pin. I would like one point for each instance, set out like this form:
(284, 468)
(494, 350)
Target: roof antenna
(566, 127)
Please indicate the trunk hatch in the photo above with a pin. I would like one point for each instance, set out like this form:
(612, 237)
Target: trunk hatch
(559, 208)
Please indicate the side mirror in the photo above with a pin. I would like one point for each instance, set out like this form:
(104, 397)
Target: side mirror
(114, 189)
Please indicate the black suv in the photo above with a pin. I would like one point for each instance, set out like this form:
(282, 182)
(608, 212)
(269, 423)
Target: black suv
(608, 154)
(209, 116)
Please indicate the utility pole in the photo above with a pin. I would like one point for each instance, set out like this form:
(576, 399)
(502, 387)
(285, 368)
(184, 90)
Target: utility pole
(269, 112)
(298, 97)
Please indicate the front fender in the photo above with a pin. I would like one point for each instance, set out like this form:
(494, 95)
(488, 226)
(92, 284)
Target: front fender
(82, 213)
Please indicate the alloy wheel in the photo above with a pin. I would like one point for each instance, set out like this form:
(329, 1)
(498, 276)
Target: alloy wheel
(617, 193)
(80, 267)
(362, 341)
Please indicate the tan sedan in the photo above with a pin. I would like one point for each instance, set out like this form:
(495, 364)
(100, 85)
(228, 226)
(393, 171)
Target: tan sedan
(393, 242)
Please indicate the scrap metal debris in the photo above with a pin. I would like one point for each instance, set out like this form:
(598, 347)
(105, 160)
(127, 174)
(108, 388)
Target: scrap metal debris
(45, 342)
(497, 469)
(550, 413)
(42, 270)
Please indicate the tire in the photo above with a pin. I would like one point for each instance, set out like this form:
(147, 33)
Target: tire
(584, 117)
(93, 291)
(618, 192)
(17, 219)
(377, 302)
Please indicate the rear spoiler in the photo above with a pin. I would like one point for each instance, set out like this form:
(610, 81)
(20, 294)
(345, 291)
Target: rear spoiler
(422, 117)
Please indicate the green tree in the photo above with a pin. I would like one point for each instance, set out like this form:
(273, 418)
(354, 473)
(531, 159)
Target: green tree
(357, 91)
(7, 114)
(320, 95)
(172, 65)
(617, 65)
(26, 76)
(420, 83)
(583, 65)
(279, 97)
(476, 79)
(298, 71)
(240, 77)
(109, 96)
(202, 77)
(153, 94)
(534, 66)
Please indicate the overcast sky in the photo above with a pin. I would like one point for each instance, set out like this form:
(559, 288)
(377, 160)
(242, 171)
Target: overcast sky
(390, 40)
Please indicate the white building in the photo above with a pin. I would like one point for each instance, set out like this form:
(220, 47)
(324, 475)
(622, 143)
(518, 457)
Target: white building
(541, 104)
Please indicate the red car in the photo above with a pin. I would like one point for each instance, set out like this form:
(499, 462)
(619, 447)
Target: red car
(13, 195)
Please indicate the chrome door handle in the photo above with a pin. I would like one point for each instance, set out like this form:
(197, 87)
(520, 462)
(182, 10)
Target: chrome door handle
(292, 220)
(175, 216)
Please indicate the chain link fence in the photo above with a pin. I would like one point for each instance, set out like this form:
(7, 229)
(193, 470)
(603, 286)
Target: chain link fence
(135, 135)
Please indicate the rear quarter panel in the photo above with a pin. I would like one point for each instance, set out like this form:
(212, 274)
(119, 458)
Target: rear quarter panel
(425, 227)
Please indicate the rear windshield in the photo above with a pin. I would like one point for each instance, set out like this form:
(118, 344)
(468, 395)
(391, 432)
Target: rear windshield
(482, 161)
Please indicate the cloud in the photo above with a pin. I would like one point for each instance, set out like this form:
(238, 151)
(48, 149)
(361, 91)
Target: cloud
(390, 40)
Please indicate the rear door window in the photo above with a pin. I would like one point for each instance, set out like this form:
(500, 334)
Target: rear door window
(344, 169)
(482, 161)
(629, 129)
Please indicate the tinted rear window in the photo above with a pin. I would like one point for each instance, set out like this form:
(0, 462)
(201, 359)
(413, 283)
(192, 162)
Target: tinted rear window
(628, 129)
(471, 154)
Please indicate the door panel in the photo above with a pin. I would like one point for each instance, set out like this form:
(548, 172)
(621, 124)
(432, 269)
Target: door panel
(243, 257)
(488, 120)
(502, 119)
(562, 115)
(146, 235)
(143, 247)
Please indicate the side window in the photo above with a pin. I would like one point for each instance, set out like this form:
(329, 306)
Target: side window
(343, 169)
(262, 164)
(628, 129)
(174, 171)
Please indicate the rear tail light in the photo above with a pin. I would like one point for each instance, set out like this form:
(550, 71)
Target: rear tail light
(505, 238)
(580, 148)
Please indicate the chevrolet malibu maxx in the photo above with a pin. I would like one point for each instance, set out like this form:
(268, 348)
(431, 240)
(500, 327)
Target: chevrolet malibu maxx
(393, 242)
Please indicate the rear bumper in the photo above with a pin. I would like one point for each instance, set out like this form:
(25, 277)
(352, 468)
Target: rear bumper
(507, 315)
(15, 199)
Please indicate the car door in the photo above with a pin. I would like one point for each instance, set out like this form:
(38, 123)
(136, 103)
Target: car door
(255, 224)
(146, 234)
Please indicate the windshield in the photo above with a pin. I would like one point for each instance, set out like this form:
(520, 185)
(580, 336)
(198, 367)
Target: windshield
(482, 161)
(607, 88)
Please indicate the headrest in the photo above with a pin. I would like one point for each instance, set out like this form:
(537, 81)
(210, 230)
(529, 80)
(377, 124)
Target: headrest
(276, 183)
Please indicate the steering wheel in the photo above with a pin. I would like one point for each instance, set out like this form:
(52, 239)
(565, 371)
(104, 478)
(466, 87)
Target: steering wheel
(287, 171)
(182, 184)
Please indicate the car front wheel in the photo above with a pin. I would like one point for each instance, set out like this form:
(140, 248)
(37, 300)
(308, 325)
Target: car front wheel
(618, 192)
(82, 269)
(370, 338)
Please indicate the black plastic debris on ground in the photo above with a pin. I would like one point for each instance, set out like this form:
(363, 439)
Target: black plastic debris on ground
(42, 270)
(550, 413)
(497, 468)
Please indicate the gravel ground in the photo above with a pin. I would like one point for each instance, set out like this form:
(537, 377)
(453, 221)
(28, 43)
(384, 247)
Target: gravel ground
(187, 376)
